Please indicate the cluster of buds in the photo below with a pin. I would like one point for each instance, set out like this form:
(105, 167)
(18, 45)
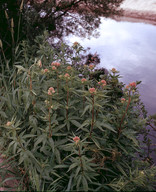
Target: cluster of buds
(51, 91)
(67, 76)
(102, 83)
(69, 68)
(76, 139)
(56, 64)
(39, 63)
(54, 68)
(9, 123)
(91, 67)
(123, 100)
(92, 90)
(83, 80)
(46, 102)
(75, 44)
(131, 85)
(45, 71)
(114, 70)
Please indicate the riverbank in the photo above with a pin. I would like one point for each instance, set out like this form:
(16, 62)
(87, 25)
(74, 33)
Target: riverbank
(140, 10)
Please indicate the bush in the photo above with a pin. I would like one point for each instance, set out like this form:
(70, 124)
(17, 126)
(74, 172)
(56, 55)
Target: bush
(62, 132)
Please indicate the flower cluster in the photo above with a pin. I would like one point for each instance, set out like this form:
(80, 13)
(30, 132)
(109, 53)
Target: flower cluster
(76, 139)
(102, 83)
(75, 44)
(54, 68)
(69, 68)
(123, 100)
(67, 76)
(114, 70)
(83, 80)
(91, 66)
(92, 90)
(131, 85)
(51, 91)
(56, 64)
(46, 70)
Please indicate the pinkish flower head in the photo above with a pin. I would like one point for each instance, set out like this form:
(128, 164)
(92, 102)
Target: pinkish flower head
(114, 70)
(51, 91)
(69, 68)
(76, 139)
(9, 123)
(102, 82)
(92, 90)
(123, 100)
(56, 64)
(83, 80)
(46, 70)
(133, 84)
(54, 68)
(91, 67)
(66, 75)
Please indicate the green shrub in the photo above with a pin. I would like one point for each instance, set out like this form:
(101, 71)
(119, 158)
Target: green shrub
(62, 132)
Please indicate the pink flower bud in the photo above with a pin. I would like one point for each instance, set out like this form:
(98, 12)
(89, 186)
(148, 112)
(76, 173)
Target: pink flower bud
(102, 82)
(46, 70)
(133, 84)
(83, 80)
(54, 68)
(8, 123)
(123, 100)
(56, 64)
(69, 68)
(91, 66)
(51, 91)
(76, 139)
(92, 90)
(75, 43)
(66, 75)
(114, 70)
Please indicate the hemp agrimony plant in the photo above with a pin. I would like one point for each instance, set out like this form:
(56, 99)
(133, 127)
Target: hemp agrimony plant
(60, 131)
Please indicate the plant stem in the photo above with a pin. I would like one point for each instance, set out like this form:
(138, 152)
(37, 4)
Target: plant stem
(67, 100)
(92, 124)
(57, 83)
(122, 119)
(30, 81)
(80, 159)
(50, 130)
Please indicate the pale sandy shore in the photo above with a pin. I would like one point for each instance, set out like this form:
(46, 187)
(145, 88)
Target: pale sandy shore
(139, 10)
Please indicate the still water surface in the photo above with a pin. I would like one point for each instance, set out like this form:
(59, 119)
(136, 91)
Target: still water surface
(131, 49)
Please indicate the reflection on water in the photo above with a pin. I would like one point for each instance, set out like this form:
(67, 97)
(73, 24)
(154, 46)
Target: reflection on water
(131, 49)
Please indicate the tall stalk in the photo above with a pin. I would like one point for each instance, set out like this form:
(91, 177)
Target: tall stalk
(92, 124)
(67, 100)
(50, 129)
(122, 119)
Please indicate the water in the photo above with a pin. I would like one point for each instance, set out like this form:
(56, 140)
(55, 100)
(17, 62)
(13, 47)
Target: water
(131, 49)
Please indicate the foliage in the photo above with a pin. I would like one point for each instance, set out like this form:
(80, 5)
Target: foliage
(62, 132)
(26, 19)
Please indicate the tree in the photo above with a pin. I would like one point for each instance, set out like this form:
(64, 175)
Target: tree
(25, 19)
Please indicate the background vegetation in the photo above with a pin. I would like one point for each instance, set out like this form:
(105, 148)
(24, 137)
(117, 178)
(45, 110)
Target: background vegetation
(65, 125)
